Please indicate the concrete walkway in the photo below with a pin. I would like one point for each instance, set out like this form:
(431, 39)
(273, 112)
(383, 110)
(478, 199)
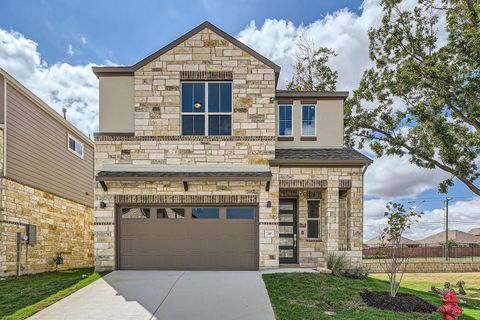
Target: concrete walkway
(167, 295)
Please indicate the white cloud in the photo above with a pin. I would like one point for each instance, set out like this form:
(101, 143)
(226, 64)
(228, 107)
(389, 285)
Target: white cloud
(59, 85)
(463, 216)
(70, 50)
(83, 40)
(394, 177)
(343, 31)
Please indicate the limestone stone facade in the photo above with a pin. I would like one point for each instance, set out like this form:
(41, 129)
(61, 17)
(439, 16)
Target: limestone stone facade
(157, 143)
(63, 226)
(341, 211)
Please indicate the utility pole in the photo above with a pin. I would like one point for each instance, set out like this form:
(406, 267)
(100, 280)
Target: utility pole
(446, 229)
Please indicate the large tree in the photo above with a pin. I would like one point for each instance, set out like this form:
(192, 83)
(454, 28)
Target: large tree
(310, 69)
(421, 98)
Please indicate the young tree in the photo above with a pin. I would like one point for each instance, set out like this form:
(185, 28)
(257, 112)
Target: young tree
(422, 97)
(310, 70)
(398, 221)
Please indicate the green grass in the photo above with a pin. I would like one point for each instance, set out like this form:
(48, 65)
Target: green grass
(308, 295)
(21, 297)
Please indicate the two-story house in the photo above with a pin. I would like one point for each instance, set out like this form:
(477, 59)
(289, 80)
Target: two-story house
(46, 183)
(201, 163)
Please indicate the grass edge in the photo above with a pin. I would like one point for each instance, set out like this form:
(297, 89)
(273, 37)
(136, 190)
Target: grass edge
(40, 305)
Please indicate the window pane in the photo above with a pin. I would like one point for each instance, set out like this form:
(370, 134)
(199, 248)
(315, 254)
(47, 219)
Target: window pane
(240, 213)
(313, 230)
(71, 143)
(205, 213)
(308, 120)
(193, 93)
(286, 206)
(213, 97)
(314, 209)
(285, 113)
(220, 125)
(135, 213)
(193, 125)
(79, 149)
(187, 97)
(226, 97)
(285, 121)
(170, 213)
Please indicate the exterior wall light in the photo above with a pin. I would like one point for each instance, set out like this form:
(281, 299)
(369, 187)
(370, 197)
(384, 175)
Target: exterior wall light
(102, 205)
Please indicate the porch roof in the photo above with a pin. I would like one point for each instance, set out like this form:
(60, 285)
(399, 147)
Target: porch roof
(320, 156)
(183, 173)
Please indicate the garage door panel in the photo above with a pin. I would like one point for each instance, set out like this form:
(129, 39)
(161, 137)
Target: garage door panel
(186, 243)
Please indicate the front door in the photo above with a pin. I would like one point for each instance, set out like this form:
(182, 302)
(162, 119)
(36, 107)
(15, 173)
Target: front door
(288, 230)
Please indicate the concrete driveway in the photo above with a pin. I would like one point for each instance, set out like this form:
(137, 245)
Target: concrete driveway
(167, 295)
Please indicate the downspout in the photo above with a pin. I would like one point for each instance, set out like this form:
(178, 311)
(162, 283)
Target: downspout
(363, 192)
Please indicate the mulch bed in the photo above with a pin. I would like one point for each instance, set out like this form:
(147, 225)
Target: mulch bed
(403, 302)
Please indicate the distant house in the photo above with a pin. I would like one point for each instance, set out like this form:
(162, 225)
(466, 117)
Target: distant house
(46, 178)
(375, 242)
(454, 235)
(475, 232)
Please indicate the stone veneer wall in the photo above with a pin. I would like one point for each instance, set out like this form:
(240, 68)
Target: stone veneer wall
(158, 137)
(157, 87)
(203, 191)
(313, 252)
(62, 226)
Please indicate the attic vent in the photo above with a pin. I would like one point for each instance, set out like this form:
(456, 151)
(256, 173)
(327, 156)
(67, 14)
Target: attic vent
(206, 75)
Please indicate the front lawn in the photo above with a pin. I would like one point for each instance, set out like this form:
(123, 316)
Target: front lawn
(21, 297)
(309, 295)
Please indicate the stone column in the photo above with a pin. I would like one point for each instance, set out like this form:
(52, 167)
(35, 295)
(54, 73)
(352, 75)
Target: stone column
(333, 208)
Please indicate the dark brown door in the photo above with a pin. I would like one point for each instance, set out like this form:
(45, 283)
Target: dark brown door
(188, 238)
(288, 231)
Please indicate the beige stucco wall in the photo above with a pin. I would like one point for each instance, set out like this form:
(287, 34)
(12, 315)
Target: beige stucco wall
(116, 112)
(329, 124)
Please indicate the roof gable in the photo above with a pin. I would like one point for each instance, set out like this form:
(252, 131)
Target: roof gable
(124, 70)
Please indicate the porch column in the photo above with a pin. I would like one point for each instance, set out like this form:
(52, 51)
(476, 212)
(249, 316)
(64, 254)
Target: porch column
(333, 209)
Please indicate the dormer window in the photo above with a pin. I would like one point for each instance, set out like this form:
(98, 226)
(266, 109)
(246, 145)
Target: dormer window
(206, 108)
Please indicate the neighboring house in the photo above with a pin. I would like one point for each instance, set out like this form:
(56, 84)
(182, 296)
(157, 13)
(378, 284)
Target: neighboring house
(458, 236)
(376, 242)
(201, 163)
(47, 185)
(475, 232)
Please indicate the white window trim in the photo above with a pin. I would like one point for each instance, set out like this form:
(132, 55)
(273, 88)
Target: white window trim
(319, 219)
(278, 113)
(69, 136)
(314, 121)
(206, 113)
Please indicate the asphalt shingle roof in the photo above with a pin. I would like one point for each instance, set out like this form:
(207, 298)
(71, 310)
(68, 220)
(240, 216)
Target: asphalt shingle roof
(321, 154)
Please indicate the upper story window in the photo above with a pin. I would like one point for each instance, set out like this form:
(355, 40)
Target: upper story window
(308, 121)
(285, 121)
(206, 108)
(75, 146)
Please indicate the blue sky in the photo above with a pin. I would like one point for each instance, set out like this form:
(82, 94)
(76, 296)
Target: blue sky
(50, 46)
(125, 31)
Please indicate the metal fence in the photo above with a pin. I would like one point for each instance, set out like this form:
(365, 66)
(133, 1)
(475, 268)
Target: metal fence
(459, 252)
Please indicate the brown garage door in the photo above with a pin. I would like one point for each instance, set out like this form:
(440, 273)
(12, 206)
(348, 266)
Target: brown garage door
(188, 238)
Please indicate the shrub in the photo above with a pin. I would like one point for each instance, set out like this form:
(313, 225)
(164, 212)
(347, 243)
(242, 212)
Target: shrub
(337, 263)
(341, 268)
(356, 272)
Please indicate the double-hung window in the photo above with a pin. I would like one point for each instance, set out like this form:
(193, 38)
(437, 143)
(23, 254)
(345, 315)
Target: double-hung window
(308, 121)
(285, 128)
(206, 108)
(313, 219)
